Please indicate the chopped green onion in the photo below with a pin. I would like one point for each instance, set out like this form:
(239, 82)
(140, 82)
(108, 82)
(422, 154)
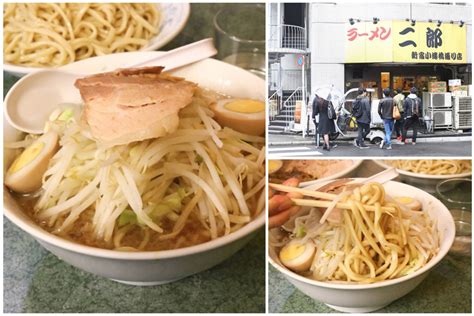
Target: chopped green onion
(66, 115)
(127, 217)
(182, 192)
(300, 232)
(160, 210)
(173, 201)
(198, 159)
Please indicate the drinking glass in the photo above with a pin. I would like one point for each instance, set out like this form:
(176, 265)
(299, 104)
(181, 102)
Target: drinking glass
(456, 195)
(240, 36)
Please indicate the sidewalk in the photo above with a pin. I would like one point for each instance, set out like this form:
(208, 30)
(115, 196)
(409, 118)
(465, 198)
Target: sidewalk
(298, 139)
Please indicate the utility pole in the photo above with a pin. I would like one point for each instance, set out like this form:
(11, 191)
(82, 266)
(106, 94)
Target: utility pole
(304, 112)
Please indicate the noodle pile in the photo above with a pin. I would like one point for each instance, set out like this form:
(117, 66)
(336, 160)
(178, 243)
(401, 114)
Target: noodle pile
(376, 239)
(201, 172)
(55, 34)
(433, 167)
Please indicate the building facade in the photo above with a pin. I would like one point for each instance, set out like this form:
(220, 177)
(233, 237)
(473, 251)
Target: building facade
(333, 56)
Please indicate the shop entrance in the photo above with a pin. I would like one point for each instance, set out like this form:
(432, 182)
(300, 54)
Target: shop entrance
(380, 76)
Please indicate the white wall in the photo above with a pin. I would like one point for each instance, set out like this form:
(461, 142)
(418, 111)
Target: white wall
(327, 74)
(292, 74)
(342, 12)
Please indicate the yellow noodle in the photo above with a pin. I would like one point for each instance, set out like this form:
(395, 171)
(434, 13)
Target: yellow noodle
(433, 167)
(51, 35)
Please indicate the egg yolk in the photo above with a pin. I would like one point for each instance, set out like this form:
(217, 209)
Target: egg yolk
(274, 165)
(28, 155)
(404, 200)
(291, 252)
(245, 106)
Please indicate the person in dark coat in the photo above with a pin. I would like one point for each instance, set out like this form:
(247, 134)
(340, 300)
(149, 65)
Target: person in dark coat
(412, 111)
(361, 111)
(385, 110)
(398, 101)
(325, 125)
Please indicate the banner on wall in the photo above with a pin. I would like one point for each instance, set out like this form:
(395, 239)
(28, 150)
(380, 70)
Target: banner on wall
(399, 41)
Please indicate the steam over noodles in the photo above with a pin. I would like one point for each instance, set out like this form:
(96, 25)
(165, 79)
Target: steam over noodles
(196, 184)
(364, 236)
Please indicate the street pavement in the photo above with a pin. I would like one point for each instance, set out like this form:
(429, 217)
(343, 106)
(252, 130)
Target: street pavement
(346, 148)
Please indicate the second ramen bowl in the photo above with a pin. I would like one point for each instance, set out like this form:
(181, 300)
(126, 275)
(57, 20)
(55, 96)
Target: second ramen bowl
(153, 267)
(361, 298)
(426, 182)
(175, 16)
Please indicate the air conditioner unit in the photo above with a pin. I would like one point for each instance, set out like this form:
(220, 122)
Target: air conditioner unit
(436, 100)
(442, 119)
(462, 113)
(462, 120)
(462, 104)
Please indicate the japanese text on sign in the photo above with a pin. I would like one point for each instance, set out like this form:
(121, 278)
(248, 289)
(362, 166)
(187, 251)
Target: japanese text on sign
(379, 32)
(399, 41)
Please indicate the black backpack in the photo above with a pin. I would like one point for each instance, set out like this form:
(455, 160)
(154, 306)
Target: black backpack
(357, 108)
(415, 107)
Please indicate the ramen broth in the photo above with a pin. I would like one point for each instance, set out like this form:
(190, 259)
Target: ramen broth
(193, 232)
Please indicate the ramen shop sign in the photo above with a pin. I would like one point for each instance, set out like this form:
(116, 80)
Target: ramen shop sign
(399, 41)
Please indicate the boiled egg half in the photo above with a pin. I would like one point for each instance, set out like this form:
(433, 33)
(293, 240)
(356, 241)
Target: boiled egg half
(298, 256)
(26, 172)
(274, 166)
(409, 202)
(243, 115)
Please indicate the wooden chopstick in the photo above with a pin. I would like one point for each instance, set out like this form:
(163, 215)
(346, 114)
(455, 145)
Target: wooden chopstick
(342, 205)
(321, 195)
(316, 194)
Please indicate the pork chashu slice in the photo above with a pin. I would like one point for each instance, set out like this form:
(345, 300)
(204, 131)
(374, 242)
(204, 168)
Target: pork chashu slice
(133, 104)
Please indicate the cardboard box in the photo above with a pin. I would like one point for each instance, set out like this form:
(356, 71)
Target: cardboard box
(454, 88)
(437, 90)
(454, 82)
(437, 86)
(459, 93)
(458, 88)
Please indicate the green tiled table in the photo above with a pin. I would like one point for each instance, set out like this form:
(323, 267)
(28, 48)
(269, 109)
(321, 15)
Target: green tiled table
(37, 281)
(447, 289)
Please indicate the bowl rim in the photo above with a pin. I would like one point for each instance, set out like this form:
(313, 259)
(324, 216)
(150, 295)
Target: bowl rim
(434, 261)
(355, 164)
(186, 7)
(37, 232)
(381, 163)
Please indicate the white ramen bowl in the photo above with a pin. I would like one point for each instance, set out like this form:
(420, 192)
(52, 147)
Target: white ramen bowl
(173, 19)
(154, 267)
(361, 298)
(426, 182)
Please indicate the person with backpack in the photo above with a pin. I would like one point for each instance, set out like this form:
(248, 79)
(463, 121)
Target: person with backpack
(412, 109)
(385, 111)
(326, 113)
(398, 100)
(361, 111)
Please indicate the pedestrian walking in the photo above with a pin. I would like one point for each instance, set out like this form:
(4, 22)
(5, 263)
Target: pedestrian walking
(412, 109)
(325, 125)
(385, 111)
(361, 111)
(398, 100)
